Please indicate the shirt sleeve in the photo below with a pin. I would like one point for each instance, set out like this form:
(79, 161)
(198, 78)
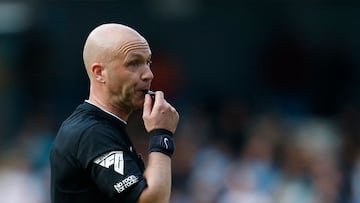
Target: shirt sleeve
(110, 164)
(117, 174)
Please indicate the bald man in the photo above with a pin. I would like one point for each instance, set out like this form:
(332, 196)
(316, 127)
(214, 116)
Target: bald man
(92, 158)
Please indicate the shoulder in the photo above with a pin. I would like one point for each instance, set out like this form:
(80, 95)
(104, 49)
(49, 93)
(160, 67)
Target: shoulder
(88, 131)
(98, 139)
(103, 133)
(87, 121)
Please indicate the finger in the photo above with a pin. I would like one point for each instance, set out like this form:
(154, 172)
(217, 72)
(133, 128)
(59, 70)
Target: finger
(159, 97)
(147, 105)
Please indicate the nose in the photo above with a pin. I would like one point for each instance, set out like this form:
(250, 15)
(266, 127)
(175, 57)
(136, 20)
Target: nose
(147, 75)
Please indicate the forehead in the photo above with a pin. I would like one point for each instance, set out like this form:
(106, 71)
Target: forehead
(132, 48)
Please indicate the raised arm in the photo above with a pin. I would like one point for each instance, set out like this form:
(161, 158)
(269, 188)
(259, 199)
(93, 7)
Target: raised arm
(160, 120)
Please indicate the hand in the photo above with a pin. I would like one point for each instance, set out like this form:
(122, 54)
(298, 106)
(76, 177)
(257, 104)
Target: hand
(160, 115)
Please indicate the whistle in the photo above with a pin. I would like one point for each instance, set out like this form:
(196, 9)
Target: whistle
(152, 94)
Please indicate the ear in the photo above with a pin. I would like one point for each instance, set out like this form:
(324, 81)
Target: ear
(97, 71)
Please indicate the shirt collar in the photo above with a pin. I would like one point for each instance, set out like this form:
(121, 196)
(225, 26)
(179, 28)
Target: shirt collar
(108, 112)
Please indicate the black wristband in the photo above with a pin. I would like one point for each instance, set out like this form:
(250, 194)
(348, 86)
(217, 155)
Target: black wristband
(161, 141)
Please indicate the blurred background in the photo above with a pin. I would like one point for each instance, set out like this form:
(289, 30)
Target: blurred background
(267, 91)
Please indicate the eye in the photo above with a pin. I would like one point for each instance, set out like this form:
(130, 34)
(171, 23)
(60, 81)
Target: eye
(134, 63)
(149, 62)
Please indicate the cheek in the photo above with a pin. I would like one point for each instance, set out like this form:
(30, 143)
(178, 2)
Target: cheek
(116, 78)
(122, 81)
(115, 83)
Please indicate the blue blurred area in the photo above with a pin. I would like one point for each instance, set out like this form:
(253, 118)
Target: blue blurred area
(266, 90)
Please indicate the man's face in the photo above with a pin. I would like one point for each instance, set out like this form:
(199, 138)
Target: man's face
(129, 75)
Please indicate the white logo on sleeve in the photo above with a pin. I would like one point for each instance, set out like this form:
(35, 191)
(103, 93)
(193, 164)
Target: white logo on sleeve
(115, 158)
(126, 183)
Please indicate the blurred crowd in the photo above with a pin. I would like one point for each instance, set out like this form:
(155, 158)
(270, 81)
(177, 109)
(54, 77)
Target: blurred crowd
(223, 155)
(263, 159)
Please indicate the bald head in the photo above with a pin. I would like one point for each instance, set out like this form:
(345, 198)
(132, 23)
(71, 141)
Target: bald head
(108, 41)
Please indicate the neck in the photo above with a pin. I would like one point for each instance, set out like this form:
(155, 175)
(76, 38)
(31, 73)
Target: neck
(108, 106)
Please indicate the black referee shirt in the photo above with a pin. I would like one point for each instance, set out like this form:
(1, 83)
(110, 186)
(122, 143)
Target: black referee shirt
(93, 160)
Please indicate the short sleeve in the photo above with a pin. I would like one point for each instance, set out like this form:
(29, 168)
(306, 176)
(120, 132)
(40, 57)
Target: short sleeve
(97, 140)
(118, 176)
(105, 155)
